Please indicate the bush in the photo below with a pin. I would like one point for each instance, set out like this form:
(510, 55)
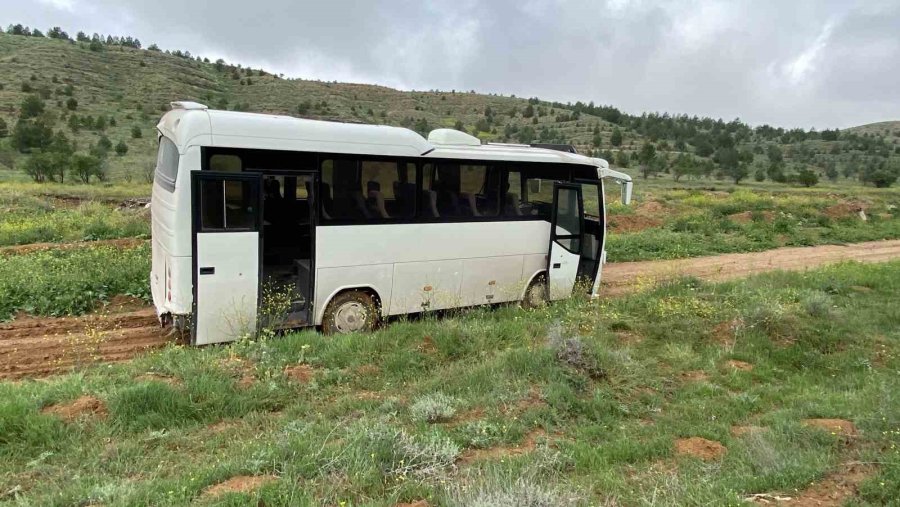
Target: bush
(71, 104)
(399, 454)
(433, 408)
(121, 148)
(500, 492)
(136, 132)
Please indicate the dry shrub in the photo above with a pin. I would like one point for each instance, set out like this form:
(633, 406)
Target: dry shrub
(436, 407)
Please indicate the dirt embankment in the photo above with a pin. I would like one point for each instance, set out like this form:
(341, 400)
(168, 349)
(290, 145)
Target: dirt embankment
(620, 277)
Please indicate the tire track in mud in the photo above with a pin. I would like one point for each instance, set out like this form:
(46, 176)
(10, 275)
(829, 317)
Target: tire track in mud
(34, 347)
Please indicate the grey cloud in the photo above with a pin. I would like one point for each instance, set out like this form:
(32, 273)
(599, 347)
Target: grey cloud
(822, 63)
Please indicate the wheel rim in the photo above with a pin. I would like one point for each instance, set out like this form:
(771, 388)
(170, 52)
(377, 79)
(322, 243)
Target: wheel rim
(536, 295)
(349, 317)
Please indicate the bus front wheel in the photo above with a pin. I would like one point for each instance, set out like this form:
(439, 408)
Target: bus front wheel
(350, 312)
(537, 293)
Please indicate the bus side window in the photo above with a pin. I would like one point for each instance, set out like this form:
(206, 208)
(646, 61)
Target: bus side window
(529, 194)
(462, 191)
(227, 205)
(389, 188)
(513, 197)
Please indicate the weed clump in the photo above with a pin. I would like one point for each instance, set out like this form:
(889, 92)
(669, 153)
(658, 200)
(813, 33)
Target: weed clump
(433, 408)
(500, 492)
(817, 304)
(399, 454)
(574, 353)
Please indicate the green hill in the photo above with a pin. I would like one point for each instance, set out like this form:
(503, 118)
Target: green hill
(129, 88)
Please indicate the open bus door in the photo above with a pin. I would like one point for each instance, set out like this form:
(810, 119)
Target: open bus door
(566, 230)
(227, 220)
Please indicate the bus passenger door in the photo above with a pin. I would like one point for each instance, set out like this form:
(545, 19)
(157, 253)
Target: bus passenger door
(566, 229)
(227, 219)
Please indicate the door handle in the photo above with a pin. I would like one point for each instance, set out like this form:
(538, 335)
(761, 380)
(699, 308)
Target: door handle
(557, 265)
(209, 270)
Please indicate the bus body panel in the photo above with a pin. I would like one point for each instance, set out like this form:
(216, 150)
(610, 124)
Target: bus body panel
(170, 278)
(439, 264)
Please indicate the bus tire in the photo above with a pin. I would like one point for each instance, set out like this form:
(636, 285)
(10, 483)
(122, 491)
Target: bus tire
(350, 312)
(536, 295)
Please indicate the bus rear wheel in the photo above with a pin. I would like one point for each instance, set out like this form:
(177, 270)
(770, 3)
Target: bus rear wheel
(536, 295)
(350, 312)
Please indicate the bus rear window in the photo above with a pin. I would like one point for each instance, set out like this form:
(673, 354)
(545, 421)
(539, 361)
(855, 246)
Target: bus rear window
(166, 164)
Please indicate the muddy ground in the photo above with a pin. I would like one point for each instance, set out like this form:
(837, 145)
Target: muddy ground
(31, 347)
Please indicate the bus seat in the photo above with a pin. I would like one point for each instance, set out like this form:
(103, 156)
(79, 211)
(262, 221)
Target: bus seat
(470, 203)
(511, 205)
(375, 200)
(429, 203)
(360, 203)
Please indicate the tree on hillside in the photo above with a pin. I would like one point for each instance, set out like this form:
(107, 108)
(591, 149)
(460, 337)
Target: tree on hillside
(774, 153)
(616, 138)
(831, 171)
(528, 112)
(703, 147)
(136, 132)
(85, 167)
(121, 148)
(40, 166)
(31, 107)
(71, 104)
(29, 134)
(622, 159)
(684, 165)
(57, 33)
(733, 163)
(646, 158)
(807, 178)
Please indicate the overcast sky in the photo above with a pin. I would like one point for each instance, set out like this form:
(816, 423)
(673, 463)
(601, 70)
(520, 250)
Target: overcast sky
(791, 63)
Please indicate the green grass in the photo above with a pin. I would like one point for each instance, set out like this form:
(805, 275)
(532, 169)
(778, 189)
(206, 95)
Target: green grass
(691, 222)
(71, 282)
(598, 387)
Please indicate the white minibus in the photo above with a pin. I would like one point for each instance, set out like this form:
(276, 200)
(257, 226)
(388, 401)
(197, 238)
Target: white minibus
(264, 220)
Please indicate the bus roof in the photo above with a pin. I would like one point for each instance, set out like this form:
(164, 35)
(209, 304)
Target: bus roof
(192, 124)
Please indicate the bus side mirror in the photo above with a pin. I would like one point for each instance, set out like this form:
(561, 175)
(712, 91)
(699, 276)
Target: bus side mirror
(626, 192)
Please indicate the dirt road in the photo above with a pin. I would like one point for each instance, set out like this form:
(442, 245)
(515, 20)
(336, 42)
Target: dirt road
(41, 346)
(621, 276)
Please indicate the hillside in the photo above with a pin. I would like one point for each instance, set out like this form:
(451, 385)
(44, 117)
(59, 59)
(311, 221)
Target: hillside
(882, 128)
(129, 88)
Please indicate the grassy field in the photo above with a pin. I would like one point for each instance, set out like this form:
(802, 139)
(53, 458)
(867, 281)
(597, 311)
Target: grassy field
(683, 394)
(667, 220)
